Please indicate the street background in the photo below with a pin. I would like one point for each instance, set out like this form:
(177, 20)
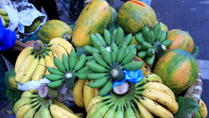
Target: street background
(187, 15)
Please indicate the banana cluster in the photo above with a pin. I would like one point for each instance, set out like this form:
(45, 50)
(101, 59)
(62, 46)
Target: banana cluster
(31, 105)
(146, 99)
(151, 42)
(67, 69)
(4, 18)
(82, 93)
(32, 63)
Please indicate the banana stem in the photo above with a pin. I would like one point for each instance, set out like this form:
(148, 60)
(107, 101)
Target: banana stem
(140, 88)
(142, 82)
(139, 92)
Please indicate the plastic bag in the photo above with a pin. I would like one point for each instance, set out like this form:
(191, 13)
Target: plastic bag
(12, 14)
(32, 84)
(131, 76)
(27, 13)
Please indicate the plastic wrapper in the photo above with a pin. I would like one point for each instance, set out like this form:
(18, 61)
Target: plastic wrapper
(32, 84)
(130, 76)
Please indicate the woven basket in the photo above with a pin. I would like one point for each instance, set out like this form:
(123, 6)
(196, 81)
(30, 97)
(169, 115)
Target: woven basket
(195, 91)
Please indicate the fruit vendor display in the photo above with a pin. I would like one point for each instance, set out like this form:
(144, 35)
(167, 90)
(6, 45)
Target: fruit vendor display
(178, 70)
(54, 29)
(32, 62)
(145, 99)
(4, 17)
(134, 15)
(181, 40)
(95, 17)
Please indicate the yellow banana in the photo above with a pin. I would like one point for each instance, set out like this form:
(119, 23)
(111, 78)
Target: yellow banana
(58, 50)
(92, 102)
(51, 55)
(96, 91)
(3, 12)
(44, 111)
(64, 43)
(88, 93)
(155, 108)
(40, 70)
(161, 98)
(153, 78)
(29, 72)
(58, 103)
(24, 66)
(23, 101)
(159, 87)
(28, 94)
(78, 93)
(58, 112)
(49, 63)
(24, 109)
(31, 112)
(203, 109)
(94, 109)
(143, 111)
(38, 113)
(3, 21)
(22, 56)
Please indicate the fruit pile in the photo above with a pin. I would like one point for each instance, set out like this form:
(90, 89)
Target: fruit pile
(123, 64)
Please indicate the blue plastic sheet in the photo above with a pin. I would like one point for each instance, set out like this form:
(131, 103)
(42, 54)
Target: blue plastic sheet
(130, 76)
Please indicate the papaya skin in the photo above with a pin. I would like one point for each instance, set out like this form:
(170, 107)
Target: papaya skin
(95, 17)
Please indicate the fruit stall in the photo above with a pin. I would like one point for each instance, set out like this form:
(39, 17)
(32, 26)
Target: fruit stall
(112, 63)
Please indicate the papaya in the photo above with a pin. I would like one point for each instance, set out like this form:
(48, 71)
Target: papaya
(54, 29)
(95, 17)
(134, 15)
(181, 40)
(178, 70)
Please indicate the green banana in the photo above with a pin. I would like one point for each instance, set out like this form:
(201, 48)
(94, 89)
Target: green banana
(139, 47)
(156, 30)
(136, 111)
(82, 75)
(3, 12)
(106, 88)
(129, 58)
(80, 62)
(150, 51)
(114, 33)
(101, 40)
(197, 115)
(167, 43)
(54, 71)
(107, 37)
(145, 45)
(98, 83)
(119, 113)
(94, 76)
(94, 41)
(72, 59)
(121, 53)
(111, 112)
(139, 38)
(119, 35)
(144, 30)
(130, 47)
(113, 52)
(31, 112)
(163, 36)
(95, 67)
(100, 60)
(128, 39)
(89, 58)
(149, 36)
(133, 66)
(90, 49)
(59, 64)
(105, 55)
(142, 54)
(65, 62)
(53, 77)
(129, 113)
(55, 84)
(45, 113)
(150, 60)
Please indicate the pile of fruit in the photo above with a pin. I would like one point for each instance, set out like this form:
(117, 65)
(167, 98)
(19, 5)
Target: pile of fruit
(123, 64)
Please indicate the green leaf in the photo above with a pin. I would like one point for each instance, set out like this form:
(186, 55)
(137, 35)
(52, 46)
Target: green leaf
(195, 51)
(81, 51)
(186, 107)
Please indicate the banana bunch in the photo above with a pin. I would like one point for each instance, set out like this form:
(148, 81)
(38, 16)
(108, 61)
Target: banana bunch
(67, 69)
(108, 66)
(151, 42)
(31, 105)
(203, 111)
(146, 99)
(32, 62)
(82, 93)
(4, 17)
(117, 37)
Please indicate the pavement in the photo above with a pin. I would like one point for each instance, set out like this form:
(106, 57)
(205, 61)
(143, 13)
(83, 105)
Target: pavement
(191, 16)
